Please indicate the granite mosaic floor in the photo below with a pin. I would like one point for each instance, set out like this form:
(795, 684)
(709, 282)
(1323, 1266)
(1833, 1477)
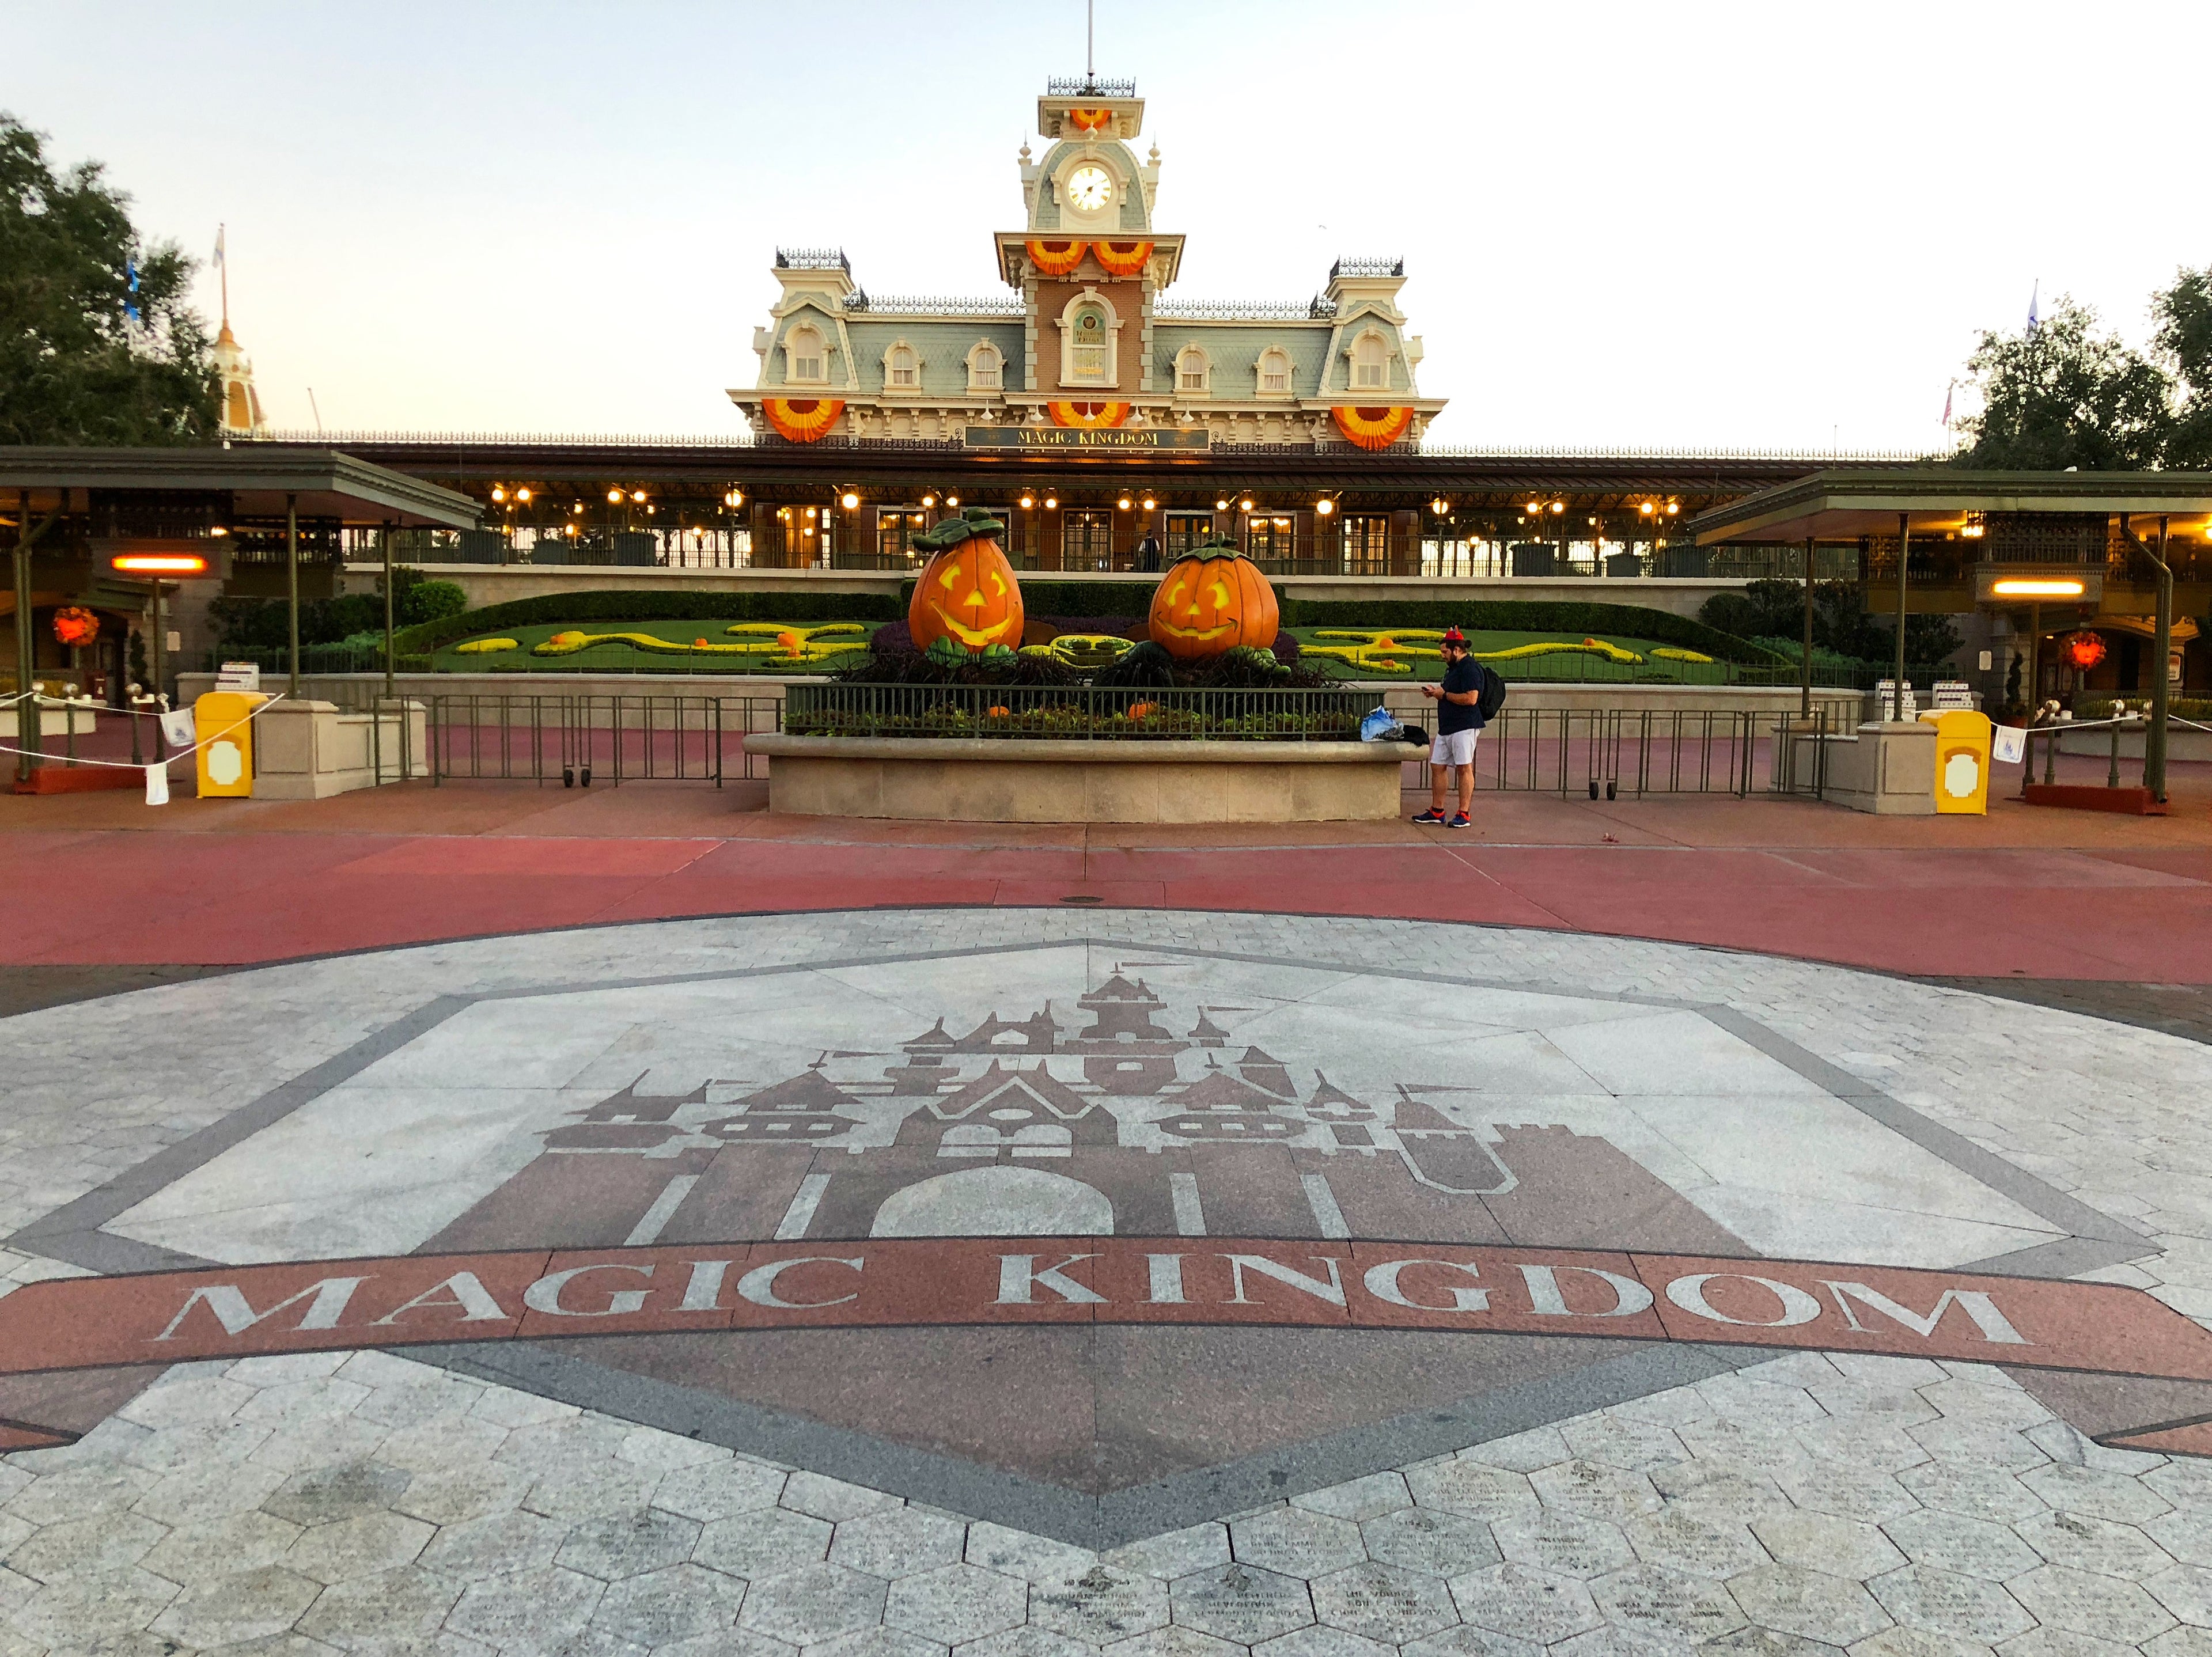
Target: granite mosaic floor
(1048, 1491)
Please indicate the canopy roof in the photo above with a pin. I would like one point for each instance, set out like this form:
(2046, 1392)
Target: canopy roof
(1845, 505)
(256, 476)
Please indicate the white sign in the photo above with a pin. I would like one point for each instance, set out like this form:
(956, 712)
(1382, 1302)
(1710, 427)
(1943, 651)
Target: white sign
(2008, 744)
(239, 676)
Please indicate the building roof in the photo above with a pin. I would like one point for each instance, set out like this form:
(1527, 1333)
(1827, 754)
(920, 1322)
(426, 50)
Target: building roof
(258, 477)
(1839, 505)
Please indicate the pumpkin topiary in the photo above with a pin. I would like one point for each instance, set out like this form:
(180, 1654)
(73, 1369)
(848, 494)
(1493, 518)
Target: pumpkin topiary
(1212, 598)
(75, 625)
(967, 594)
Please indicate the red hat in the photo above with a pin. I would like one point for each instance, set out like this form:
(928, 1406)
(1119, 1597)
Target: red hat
(1454, 636)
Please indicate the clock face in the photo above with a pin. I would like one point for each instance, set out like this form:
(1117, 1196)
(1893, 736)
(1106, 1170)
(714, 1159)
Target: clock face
(1090, 188)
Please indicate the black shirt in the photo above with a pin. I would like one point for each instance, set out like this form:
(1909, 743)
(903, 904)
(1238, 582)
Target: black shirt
(1465, 676)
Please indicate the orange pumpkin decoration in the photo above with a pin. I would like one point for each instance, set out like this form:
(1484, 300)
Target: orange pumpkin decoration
(1212, 599)
(968, 591)
(75, 625)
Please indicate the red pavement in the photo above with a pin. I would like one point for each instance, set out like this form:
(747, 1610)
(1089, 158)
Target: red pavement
(104, 879)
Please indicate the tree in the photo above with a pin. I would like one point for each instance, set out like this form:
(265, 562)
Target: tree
(2184, 315)
(2062, 395)
(75, 369)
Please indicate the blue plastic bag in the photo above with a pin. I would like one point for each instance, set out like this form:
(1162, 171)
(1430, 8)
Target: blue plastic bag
(1381, 725)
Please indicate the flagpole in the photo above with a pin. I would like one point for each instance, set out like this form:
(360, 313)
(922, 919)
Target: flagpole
(223, 265)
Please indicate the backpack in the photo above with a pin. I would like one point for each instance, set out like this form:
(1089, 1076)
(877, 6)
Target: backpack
(1491, 696)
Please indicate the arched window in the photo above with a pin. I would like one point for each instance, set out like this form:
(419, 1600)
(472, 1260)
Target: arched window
(1370, 363)
(805, 361)
(1192, 371)
(987, 369)
(902, 369)
(1089, 360)
(1275, 371)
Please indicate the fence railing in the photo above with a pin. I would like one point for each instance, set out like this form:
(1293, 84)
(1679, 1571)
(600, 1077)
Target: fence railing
(1609, 753)
(578, 739)
(1089, 713)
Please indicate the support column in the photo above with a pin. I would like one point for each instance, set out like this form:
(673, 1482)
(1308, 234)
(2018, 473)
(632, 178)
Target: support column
(292, 585)
(1805, 673)
(2162, 648)
(386, 538)
(26, 712)
(1904, 572)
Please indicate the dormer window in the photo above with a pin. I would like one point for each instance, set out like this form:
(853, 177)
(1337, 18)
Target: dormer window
(987, 369)
(1192, 371)
(1275, 371)
(1370, 364)
(903, 370)
(804, 359)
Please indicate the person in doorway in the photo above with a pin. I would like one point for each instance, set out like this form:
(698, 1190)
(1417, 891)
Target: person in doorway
(1148, 554)
(1459, 719)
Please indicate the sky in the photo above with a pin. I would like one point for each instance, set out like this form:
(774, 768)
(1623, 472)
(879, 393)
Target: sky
(1687, 226)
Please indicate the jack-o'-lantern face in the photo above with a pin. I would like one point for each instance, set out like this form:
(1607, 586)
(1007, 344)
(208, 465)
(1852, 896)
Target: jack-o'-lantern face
(966, 593)
(1211, 600)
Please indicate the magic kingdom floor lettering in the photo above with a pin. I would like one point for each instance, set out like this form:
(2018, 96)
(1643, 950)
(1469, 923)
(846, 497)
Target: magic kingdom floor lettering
(231, 1311)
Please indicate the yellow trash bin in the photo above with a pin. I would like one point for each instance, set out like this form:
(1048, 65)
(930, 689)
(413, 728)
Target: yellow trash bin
(1962, 762)
(222, 724)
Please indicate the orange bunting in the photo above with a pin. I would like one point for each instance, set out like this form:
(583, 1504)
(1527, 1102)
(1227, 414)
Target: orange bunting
(1373, 428)
(1094, 415)
(1088, 120)
(1055, 258)
(801, 420)
(1121, 258)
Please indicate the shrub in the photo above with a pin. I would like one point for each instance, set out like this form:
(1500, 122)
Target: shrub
(625, 604)
(417, 602)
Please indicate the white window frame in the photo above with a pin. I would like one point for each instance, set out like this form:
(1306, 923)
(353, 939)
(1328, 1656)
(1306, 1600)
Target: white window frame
(985, 358)
(1193, 363)
(1382, 363)
(1274, 353)
(1090, 298)
(893, 386)
(793, 371)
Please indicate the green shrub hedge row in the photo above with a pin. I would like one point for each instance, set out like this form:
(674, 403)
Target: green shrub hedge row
(624, 604)
(1089, 598)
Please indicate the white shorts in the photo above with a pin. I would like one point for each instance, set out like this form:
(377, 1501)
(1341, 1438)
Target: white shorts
(1453, 748)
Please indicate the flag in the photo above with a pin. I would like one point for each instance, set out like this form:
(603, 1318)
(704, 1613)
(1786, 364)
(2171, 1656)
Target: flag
(1947, 389)
(2035, 296)
(218, 248)
(131, 286)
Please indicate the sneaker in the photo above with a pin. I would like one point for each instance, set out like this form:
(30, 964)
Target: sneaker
(1460, 820)
(1429, 816)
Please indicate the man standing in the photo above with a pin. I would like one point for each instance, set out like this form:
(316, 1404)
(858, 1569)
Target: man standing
(1458, 718)
(1148, 553)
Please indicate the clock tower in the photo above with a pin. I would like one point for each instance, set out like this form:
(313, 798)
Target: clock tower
(1088, 261)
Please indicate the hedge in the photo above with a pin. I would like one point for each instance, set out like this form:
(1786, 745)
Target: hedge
(624, 604)
(1132, 599)
(1521, 616)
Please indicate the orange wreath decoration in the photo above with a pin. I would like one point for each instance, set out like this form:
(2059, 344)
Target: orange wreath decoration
(1373, 428)
(75, 625)
(801, 419)
(1121, 258)
(1055, 258)
(1088, 120)
(1090, 416)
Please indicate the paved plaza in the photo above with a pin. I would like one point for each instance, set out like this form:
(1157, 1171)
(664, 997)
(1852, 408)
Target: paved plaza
(1042, 1281)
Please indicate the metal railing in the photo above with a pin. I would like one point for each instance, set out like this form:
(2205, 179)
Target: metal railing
(1609, 753)
(1086, 712)
(576, 739)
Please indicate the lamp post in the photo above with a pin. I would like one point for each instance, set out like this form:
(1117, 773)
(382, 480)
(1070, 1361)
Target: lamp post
(1904, 554)
(2161, 652)
(292, 587)
(1805, 665)
(26, 643)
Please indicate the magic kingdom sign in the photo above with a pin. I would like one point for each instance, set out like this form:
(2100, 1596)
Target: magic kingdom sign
(1084, 437)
